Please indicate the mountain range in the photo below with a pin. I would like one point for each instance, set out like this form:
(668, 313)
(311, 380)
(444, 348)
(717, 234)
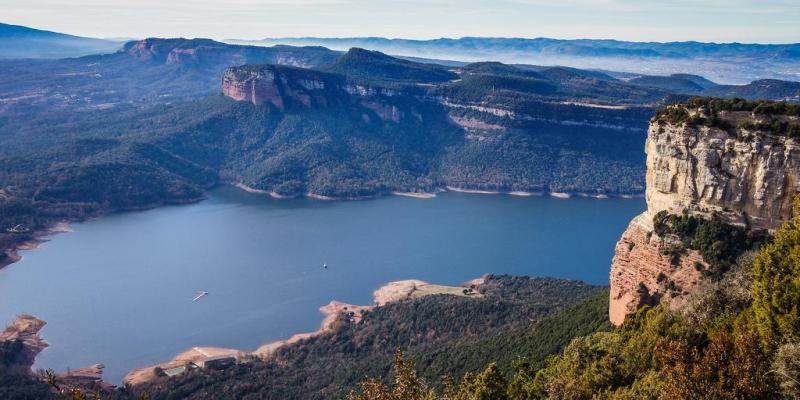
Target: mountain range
(315, 122)
(730, 63)
(22, 42)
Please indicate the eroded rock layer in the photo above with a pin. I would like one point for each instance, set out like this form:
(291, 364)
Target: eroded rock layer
(732, 165)
(750, 178)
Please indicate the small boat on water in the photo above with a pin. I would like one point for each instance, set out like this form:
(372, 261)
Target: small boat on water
(199, 296)
(324, 265)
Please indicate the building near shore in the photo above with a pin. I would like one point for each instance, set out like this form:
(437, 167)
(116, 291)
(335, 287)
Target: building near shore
(217, 362)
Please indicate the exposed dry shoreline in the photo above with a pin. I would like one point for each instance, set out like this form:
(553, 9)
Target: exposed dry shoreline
(25, 329)
(12, 254)
(430, 195)
(389, 293)
(38, 237)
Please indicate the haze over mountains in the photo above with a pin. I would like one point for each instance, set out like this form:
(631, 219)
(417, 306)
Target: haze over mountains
(726, 63)
(732, 63)
(22, 42)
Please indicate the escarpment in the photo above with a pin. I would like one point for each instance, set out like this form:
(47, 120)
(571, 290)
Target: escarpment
(275, 85)
(735, 162)
(285, 87)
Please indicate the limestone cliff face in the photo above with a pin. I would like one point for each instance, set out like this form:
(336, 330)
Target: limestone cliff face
(281, 86)
(284, 87)
(170, 51)
(747, 176)
(749, 180)
(214, 56)
(258, 87)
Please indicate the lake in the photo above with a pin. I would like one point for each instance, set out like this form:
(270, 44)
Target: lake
(118, 290)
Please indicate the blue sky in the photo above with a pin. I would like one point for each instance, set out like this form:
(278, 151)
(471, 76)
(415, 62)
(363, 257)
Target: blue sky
(752, 21)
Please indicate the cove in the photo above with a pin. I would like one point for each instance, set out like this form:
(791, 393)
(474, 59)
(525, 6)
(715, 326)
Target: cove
(119, 289)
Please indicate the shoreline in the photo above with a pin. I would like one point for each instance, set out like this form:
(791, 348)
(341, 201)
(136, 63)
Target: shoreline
(389, 293)
(37, 239)
(309, 195)
(431, 195)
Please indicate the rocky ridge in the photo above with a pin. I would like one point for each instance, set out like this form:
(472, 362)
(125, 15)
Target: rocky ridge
(286, 87)
(727, 163)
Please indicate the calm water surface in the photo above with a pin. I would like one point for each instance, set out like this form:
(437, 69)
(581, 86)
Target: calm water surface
(118, 290)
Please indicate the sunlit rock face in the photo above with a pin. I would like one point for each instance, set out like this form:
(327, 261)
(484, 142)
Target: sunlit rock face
(745, 176)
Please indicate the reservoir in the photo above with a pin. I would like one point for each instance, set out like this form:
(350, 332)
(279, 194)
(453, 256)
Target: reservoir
(118, 290)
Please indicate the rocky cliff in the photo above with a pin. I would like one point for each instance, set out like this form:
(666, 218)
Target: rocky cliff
(216, 55)
(276, 85)
(286, 87)
(739, 162)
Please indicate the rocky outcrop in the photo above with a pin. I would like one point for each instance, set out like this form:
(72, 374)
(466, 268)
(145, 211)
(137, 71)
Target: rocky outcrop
(644, 272)
(170, 51)
(731, 166)
(255, 86)
(749, 178)
(215, 56)
(285, 87)
(282, 86)
(22, 337)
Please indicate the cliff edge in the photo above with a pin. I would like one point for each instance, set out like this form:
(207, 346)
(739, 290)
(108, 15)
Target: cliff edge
(733, 161)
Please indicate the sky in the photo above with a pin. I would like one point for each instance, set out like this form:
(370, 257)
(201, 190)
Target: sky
(747, 21)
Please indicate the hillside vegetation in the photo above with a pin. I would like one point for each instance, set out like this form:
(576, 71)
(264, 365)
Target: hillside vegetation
(85, 146)
(531, 317)
(737, 339)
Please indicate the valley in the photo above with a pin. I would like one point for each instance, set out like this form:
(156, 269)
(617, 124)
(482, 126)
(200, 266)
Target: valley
(162, 121)
(178, 215)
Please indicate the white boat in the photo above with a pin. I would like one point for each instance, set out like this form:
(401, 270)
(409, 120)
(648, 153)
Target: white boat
(199, 296)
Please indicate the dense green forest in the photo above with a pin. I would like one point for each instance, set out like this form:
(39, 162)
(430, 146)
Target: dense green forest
(515, 317)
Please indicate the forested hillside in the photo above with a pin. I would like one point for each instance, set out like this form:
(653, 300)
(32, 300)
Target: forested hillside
(517, 316)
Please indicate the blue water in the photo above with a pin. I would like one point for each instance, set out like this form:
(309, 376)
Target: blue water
(118, 290)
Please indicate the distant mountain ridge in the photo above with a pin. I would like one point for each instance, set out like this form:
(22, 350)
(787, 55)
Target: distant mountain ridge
(22, 42)
(583, 47)
(725, 62)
